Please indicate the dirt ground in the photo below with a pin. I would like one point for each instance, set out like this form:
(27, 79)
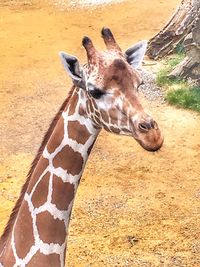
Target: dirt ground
(133, 208)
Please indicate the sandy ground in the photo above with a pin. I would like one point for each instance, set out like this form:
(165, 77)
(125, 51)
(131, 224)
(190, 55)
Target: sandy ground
(133, 208)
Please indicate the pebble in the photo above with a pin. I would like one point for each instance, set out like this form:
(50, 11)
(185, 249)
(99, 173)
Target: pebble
(150, 90)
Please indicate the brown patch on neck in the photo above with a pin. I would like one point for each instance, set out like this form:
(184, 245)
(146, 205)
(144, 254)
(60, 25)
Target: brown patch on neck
(69, 160)
(24, 232)
(41, 192)
(78, 132)
(41, 260)
(15, 210)
(50, 230)
(8, 258)
(56, 137)
(41, 166)
(63, 193)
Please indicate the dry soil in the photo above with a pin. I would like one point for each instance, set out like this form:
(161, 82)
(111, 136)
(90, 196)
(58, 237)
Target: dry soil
(133, 208)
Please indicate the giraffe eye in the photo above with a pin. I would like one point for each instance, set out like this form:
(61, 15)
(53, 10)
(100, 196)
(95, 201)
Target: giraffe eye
(96, 93)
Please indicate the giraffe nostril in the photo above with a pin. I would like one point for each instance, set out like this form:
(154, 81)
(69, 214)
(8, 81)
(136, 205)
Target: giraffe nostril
(143, 127)
(147, 125)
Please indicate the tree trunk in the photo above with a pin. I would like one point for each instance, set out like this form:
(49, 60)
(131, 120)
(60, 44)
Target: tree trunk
(190, 66)
(179, 26)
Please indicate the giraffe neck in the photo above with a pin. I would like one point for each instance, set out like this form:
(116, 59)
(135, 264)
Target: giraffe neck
(38, 237)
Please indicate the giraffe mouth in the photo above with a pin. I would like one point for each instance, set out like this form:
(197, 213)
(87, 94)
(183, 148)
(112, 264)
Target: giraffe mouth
(151, 148)
(151, 141)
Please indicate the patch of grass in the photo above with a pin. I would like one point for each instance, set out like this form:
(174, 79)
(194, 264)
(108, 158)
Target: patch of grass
(185, 97)
(162, 76)
(176, 60)
(178, 91)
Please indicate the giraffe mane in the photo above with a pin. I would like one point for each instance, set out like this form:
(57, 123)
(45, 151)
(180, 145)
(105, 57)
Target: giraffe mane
(47, 135)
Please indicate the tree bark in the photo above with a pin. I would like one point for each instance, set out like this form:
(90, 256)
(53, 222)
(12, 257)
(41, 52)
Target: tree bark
(178, 27)
(190, 66)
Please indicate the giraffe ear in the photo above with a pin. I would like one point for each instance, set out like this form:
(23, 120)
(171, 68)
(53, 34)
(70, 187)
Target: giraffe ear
(73, 68)
(135, 54)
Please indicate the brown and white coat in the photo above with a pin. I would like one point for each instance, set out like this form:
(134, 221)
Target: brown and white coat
(104, 95)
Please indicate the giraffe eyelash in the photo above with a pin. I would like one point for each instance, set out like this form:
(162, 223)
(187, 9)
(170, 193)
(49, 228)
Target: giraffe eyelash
(96, 93)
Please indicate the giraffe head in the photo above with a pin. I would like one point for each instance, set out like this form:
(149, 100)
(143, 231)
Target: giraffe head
(110, 80)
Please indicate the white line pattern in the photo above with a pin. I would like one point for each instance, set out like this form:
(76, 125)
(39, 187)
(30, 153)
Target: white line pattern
(48, 206)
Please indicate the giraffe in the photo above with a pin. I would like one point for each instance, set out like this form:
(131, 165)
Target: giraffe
(103, 96)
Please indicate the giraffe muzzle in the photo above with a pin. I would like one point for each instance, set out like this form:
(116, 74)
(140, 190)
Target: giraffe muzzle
(148, 135)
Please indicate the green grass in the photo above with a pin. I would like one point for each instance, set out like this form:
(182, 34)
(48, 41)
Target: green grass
(162, 76)
(186, 97)
(178, 92)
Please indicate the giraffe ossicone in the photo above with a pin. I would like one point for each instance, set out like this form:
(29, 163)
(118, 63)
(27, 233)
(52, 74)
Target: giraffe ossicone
(104, 95)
